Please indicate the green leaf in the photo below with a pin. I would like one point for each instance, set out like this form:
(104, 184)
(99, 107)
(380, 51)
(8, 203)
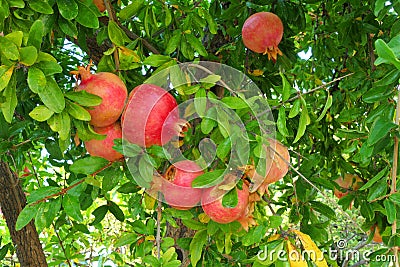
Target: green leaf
(68, 9)
(208, 179)
(36, 79)
(10, 100)
(4, 250)
(8, 49)
(173, 42)
(302, 125)
(5, 75)
(116, 34)
(224, 148)
(395, 198)
(391, 211)
(234, 102)
(295, 109)
(84, 98)
(286, 87)
(52, 96)
(380, 128)
(88, 165)
(328, 104)
(41, 193)
(111, 178)
(131, 9)
(379, 5)
(72, 207)
(86, 15)
(28, 55)
(65, 126)
(386, 53)
(281, 122)
(54, 207)
(196, 246)
(146, 169)
(200, 102)
(196, 44)
(27, 214)
(230, 199)
(156, 60)
(212, 79)
(16, 37)
(323, 209)
(77, 111)
(99, 214)
(49, 67)
(40, 6)
(16, 3)
(378, 190)
(275, 221)
(68, 27)
(376, 178)
(116, 211)
(126, 239)
(41, 113)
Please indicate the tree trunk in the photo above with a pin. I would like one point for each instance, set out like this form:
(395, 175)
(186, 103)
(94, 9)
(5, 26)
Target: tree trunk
(12, 201)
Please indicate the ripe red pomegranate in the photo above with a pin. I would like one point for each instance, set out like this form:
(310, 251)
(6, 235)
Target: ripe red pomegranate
(177, 185)
(110, 88)
(262, 32)
(211, 202)
(277, 156)
(377, 236)
(100, 5)
(103, 148)
(349, 182)
(26, 172)
(151, 116)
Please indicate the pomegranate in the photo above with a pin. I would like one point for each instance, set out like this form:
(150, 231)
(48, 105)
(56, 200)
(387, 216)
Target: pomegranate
(112, 91)
(377, 236)
(26, 172)
(262, 32)
(177, 185)
(100, 5)
(151, 116)
(211, 201)
(103, 148)
(349, 182)
(277, 156)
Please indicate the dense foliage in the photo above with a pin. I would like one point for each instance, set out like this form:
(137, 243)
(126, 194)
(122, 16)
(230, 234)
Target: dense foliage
(332, 92)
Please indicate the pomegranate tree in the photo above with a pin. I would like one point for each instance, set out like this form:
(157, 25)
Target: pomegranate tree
(262, 32)
(211, 203)
(177, 185)
(104, 148)
(151, 116)
(112, 91)
(349, 182)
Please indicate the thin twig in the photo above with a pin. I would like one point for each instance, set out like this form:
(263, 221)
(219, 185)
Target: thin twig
(158, 236)
(65, 190)
(312, 90)
(394, 170)
(61, 244)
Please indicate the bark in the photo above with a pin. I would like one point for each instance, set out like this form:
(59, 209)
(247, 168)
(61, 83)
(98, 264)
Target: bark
(12, 201)
(180, 232)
